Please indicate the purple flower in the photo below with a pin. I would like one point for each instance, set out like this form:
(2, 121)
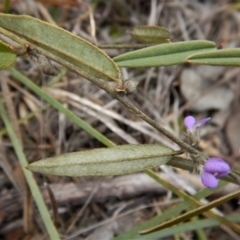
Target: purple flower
(193, 129)
(212, 170)
(191, 123)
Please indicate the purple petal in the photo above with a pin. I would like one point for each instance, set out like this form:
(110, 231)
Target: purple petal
(200, 123)
(219, 175)
(217, 166)
(208, 179)
(189, 122)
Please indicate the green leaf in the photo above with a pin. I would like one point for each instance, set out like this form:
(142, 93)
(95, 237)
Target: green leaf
(223, 57)
(151, 34)
(166, 54)
(63, 44)
(7, 56)
(105, 161)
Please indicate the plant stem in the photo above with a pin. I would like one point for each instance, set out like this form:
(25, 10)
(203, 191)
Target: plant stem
(109, 89)
(125, 46)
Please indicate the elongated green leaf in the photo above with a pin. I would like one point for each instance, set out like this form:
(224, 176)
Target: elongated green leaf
(105, 161)
(7, 56)
(223, 57)
(164, 54)
(151, 34)
(62, 43)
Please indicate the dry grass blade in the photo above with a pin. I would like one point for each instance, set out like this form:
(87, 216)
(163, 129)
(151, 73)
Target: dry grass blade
(195, 212)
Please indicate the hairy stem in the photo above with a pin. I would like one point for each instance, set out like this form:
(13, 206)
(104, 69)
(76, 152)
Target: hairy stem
(109, 89)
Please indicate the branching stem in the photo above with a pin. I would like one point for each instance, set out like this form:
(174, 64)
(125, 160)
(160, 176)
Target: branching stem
(109, 89)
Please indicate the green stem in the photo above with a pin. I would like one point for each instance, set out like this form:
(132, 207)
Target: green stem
(24, 119)
(109, 89)
(125, 46)
(60, 107)
(6, 6)
(29, 177)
